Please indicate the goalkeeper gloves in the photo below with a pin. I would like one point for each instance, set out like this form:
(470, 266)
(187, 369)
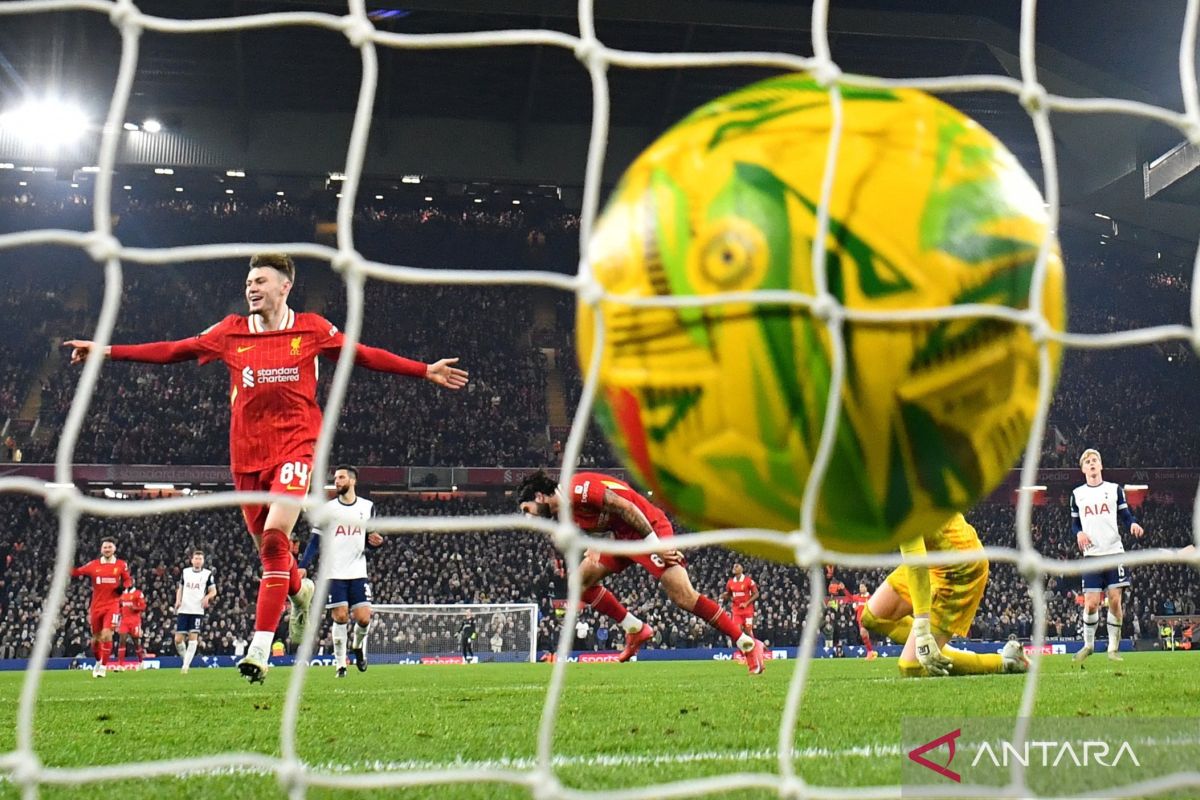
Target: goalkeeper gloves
(928, 652)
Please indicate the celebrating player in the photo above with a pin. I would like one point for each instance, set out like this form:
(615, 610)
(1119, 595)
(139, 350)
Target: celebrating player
(924, 607)
(193, 595)
(741, 592)
(133, 605)
(274, 421)
(347, 567)
(603, 503)
(109, 576)
(1096, 505)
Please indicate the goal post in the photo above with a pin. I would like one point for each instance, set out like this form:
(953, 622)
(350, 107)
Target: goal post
(503, 631)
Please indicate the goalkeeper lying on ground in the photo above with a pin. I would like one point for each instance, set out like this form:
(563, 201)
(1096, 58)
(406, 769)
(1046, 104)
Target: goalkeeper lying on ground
(924, 607)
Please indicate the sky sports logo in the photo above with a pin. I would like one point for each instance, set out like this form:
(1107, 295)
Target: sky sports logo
(277, 375)
(1056, 756)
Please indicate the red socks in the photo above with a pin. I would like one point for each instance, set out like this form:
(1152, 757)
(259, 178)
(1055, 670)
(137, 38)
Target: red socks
(605, 602)
(278, 566)
(294, 576)
(105, 649)
(714, 615)
(121, 654)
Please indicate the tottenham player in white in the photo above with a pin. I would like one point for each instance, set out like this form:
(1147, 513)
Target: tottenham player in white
(1095, 508)
(193, 595)
(349, 591)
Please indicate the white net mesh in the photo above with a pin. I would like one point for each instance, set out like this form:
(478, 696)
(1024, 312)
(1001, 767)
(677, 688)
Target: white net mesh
(23, 763)
(501, 632)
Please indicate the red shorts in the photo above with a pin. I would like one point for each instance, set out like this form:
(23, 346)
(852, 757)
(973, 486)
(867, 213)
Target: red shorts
(104, 617)
(132, 627)
(290, 477)
(651, 562)
(743, 616)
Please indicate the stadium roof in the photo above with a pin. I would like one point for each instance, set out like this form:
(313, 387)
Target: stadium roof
(521, 113)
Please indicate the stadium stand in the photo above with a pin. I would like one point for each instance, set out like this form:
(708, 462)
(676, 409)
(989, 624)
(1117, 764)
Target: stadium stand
(177, 415)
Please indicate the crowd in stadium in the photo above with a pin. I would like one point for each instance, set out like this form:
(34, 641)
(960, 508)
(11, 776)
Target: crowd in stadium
(520, 567)
(177, 414)
(1126, 403)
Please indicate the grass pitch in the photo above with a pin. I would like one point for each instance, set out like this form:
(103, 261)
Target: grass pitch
(619, 725)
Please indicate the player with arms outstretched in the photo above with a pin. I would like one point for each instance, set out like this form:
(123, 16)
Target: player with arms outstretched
(741, 592)
(601, 503)
(133, 605)
(109, 576)
(924, 607)
(349, 590)
(1096, 505)
(274, 421)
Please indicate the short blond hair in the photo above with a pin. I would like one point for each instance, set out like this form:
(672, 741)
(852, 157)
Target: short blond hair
(1088, 452)
(278, 261)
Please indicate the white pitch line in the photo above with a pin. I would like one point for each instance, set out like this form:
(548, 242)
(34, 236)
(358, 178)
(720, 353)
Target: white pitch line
(349, 692)
(609, 760)
(567, 761)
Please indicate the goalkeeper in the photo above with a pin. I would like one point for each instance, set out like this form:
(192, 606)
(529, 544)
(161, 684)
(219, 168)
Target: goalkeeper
(924, 607)
(466, 639)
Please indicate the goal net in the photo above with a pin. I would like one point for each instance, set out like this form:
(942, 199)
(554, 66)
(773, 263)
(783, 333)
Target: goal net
(23, 766)
(448, 633)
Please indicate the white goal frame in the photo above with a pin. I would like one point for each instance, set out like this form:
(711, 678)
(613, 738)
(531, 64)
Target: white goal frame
(23, 765)
(530, 608)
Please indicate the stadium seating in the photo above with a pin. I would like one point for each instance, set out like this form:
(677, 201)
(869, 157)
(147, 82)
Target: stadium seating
(1126, 403)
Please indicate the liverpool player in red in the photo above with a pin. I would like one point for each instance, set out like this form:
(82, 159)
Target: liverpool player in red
(602, 503)
(133, 604)
(274, 420)
(742, 592)
(109, 575)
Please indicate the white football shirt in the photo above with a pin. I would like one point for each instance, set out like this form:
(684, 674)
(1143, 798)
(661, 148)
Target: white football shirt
(1096, 508)
(347, 559)
(195, 583)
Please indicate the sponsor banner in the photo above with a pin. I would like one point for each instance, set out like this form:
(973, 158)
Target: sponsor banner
(1077, 756)
(1055, 647)
(186, 475)
(1165, 485)
(500, 477)
(482, 477)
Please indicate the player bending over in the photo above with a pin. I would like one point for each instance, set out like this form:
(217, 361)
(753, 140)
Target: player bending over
(601, 503)
(741, 592)
(133, 605)
(924, 607)
(1095, 506)
(349, 590)
(274, 421)
(109, 576)
(193, 595)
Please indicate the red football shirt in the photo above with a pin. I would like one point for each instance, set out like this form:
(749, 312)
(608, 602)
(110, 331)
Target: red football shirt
(132, 605)
(108, 579)
(273, 412)
(740, 591)
(587, 506)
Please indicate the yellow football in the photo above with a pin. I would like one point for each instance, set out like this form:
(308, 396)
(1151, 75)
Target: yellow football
(719, 409)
